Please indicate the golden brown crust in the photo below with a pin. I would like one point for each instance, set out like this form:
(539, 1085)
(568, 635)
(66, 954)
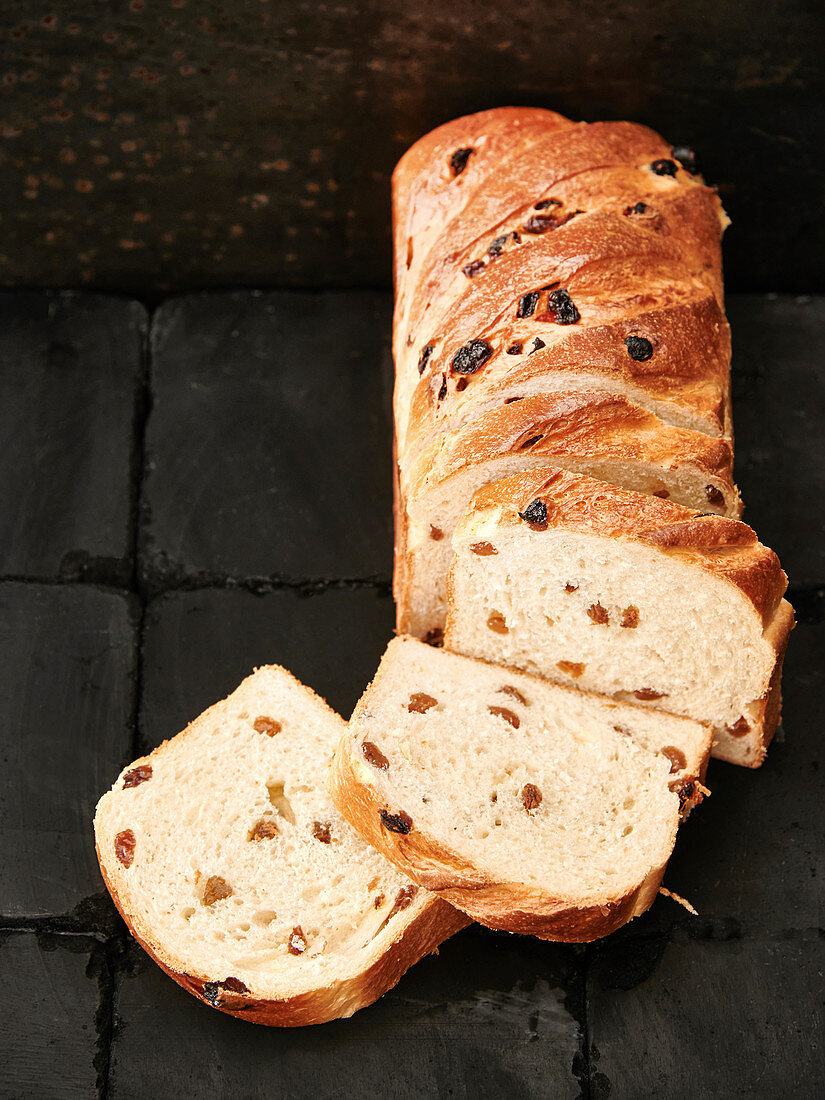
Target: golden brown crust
(509, 906)
(435, 922)
(725, 548)
(583, 424)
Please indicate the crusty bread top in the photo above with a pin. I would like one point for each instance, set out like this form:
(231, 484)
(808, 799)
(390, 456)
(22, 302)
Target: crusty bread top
(620, 265)
(583, 423)
(726, 548)
(230, 864)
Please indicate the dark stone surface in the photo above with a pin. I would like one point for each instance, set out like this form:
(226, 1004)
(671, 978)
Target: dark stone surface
(486, 1018)
(715, 1019)
(176, 144)
(199, 645)
(51, 993)
(750, 857)
(66, 706)
(70, 371)
(779, 413)
(269, 442)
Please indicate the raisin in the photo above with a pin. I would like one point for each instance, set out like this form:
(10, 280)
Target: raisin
(683, 789)
(424, 358)
(374, 756)
(531, 442)
(599, 614)
(135, 776)
(572, 668)
(676, 757)
(442, 393)
(420, 703)
(507, 715)
(461, 384)
(714, 495)
(535, 514)
(527, 304)
(560, 306)
(403, 899)
(739, 728)
(396, 823)
(662, 493)
(664, 167)
(216, 889)
(648, 694)
(469, 358)
(473, 268)
(571, 587)
(538, 345)
(530, 796)
(638, 348)
(541, 223)
(542, 204)
(497, 245)
(212, 990)
(515, 349)
(297, 942)
(497, 622)
(639, 208)
(125, 844)
(435, 636)
(265, 829)
(458, 161)
(436, 534)
(266, 725)
(686, 157)
(379, 901)
(483, 549)
(630, 617)
(514, 692)
(321, 830)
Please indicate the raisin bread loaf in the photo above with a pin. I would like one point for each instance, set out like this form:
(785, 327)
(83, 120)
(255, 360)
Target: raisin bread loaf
(532, 807)
(590, 431)
(628, 595)
(229, 863)
(535, 255)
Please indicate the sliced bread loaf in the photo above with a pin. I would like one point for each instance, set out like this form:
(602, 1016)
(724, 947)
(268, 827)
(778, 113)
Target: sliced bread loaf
(226, 858)
(534, 808)
(590, 431)
(627, 595)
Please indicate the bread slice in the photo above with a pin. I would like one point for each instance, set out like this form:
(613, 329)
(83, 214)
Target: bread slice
(628, 595)
(534, 808)
(588, 431)
(227, 860)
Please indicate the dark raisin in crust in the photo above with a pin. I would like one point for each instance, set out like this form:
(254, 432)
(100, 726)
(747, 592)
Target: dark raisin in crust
(538, 344)
(535, 513)
(473, 268)
(458, 161)
(686, 157)
(426, 352)
(637, 208)
(561, 308)
(396, 823)
(638, 348)
(664, 167)
(527, 304)
(515, 348)
(469, 358)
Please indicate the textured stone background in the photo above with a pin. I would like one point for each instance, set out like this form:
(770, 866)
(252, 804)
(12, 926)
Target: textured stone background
(156, 144)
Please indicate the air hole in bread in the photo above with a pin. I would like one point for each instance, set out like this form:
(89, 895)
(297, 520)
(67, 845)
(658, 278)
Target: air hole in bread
(280, 801)
(264, 916)
(187, 913)
(402, 901)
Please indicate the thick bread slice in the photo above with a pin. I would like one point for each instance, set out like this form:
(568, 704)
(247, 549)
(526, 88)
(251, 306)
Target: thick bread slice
(534, 808)
(625, 594)
(589, 431)
(227, 860)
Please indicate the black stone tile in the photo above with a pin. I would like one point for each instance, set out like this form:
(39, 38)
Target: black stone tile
(779, 414)
(752, 856)
(199, 645)
(489, 1017)
(70, 372)
(48, 1038)
(268, 449)
(709, 1019)
(66, 707)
